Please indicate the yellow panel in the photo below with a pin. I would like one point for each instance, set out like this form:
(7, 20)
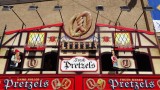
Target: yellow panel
(122, 39)
(36, 38)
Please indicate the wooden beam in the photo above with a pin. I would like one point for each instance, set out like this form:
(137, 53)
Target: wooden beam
(149, 39)
(145, 16)
(5, 28)
(10, 39)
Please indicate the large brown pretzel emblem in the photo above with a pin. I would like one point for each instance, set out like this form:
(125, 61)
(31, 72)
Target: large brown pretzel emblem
(91, 84)
(65, 84)
(80, 29)
(32, 63)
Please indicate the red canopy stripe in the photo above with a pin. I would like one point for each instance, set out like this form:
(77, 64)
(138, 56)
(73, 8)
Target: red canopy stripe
(124, 28)
(33, 28)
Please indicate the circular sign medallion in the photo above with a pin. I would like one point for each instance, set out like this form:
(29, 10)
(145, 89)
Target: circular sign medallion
(80, 26)
(126, 63)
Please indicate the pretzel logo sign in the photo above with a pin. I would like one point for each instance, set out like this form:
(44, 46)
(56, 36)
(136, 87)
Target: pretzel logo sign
(126, 63)
(158, 83)
(32, 63)
(79, 19)
(91, 84)
(65, 84)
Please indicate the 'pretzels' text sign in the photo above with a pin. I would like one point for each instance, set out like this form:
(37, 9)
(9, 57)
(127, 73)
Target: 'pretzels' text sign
(79, 64)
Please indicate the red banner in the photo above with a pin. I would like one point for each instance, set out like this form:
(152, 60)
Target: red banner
(120, 83)
(37, 82)
(79, 82)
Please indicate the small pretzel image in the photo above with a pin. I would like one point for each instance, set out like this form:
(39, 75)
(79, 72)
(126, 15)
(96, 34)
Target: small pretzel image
(158, 83)
(65, 84)
(32, 63)
(80, 29)
(91, 84)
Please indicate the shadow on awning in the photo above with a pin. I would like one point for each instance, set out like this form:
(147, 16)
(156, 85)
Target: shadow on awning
(132, 4)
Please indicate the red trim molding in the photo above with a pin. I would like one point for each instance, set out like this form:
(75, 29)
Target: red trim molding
(124, 49)
(33, 28)
(27, 48)
(125, 28)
